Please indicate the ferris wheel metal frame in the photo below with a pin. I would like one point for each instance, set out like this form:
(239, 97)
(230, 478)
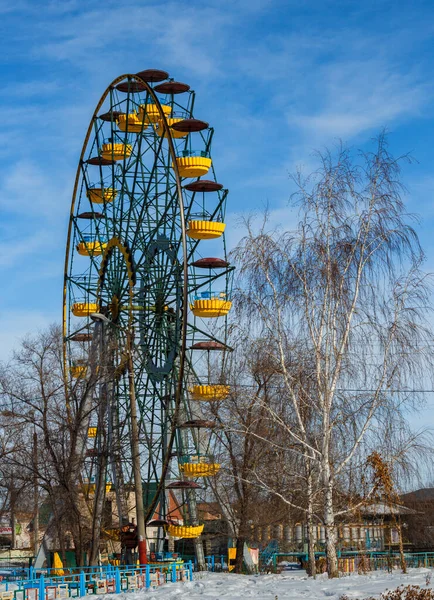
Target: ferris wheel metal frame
(110, 283)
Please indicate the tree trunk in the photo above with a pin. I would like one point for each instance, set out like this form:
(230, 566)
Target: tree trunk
(35, 495)
(194, 520)
(401, 546)
(13, 520)
(311, 552)
(14, 532)
(62, 544)
(243, 528)
(240, 552)
(135, 456)
(98, 509)
(100, 492)
(311, 540)
(77, 532)
(330, 529)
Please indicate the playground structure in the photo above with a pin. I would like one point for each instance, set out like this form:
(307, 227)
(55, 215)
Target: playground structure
(140, 304)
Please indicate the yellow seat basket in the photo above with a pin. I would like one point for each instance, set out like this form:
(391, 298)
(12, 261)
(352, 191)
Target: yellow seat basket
(199, 469)
(116, 151)
(91, 432)
(184, 531)
(159, 128)
(211, 308)
(91, 248)
(101, 196)
(193, 166)
(205, 230)
(209, 392)
(132, 121)
(78, 371)
(84, 309)
(152, 113)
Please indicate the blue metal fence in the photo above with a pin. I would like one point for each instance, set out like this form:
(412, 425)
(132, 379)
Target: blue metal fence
(49, 584)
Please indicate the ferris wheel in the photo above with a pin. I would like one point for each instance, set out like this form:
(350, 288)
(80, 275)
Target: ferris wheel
(147, 290)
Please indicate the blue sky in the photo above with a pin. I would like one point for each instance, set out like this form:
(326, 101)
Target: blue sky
(276, 79)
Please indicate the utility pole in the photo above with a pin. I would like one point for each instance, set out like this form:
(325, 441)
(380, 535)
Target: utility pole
(135, 455)
(194, 519)
(13, 517)
(193, 513)
(100, 491)
(35, 495)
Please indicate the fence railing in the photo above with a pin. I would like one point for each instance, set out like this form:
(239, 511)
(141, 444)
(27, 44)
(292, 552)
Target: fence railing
(362, 561)
(53, 584)
(348, 564)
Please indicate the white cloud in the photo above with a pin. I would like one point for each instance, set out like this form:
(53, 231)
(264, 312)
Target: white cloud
(175, 33)
(358, 96)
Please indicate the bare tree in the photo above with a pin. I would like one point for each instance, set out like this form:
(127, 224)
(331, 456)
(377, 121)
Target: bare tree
(32, 388)
(242, 426)
(346, 290)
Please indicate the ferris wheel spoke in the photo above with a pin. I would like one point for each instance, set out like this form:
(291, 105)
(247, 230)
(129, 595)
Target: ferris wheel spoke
(141, 212)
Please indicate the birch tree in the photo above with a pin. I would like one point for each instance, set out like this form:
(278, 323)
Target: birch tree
(346, 289)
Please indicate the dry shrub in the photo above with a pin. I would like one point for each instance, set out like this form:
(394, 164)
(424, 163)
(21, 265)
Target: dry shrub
(363, 566)
(409, 592)
(321, 565)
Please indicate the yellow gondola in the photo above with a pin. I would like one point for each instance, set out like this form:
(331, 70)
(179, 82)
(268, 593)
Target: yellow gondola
(84, 309)
(91, 248)
(193, 166)
(132, 122)
(199, 469)
(78, 371)
(152, 113)
(90, 486)
(209, 392)
(91, 432)
(211, 307)
(159, 128)
(205, 230)
(184, 531)
(111, 151)
(101, 195)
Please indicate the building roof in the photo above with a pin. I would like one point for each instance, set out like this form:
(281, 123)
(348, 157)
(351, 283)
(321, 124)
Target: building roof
(383, 509)
(174, 512)
(421, 495)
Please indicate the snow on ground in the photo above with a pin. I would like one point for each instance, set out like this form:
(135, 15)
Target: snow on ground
(290, 585)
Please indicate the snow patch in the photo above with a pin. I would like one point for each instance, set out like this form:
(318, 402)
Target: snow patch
(286, 586)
